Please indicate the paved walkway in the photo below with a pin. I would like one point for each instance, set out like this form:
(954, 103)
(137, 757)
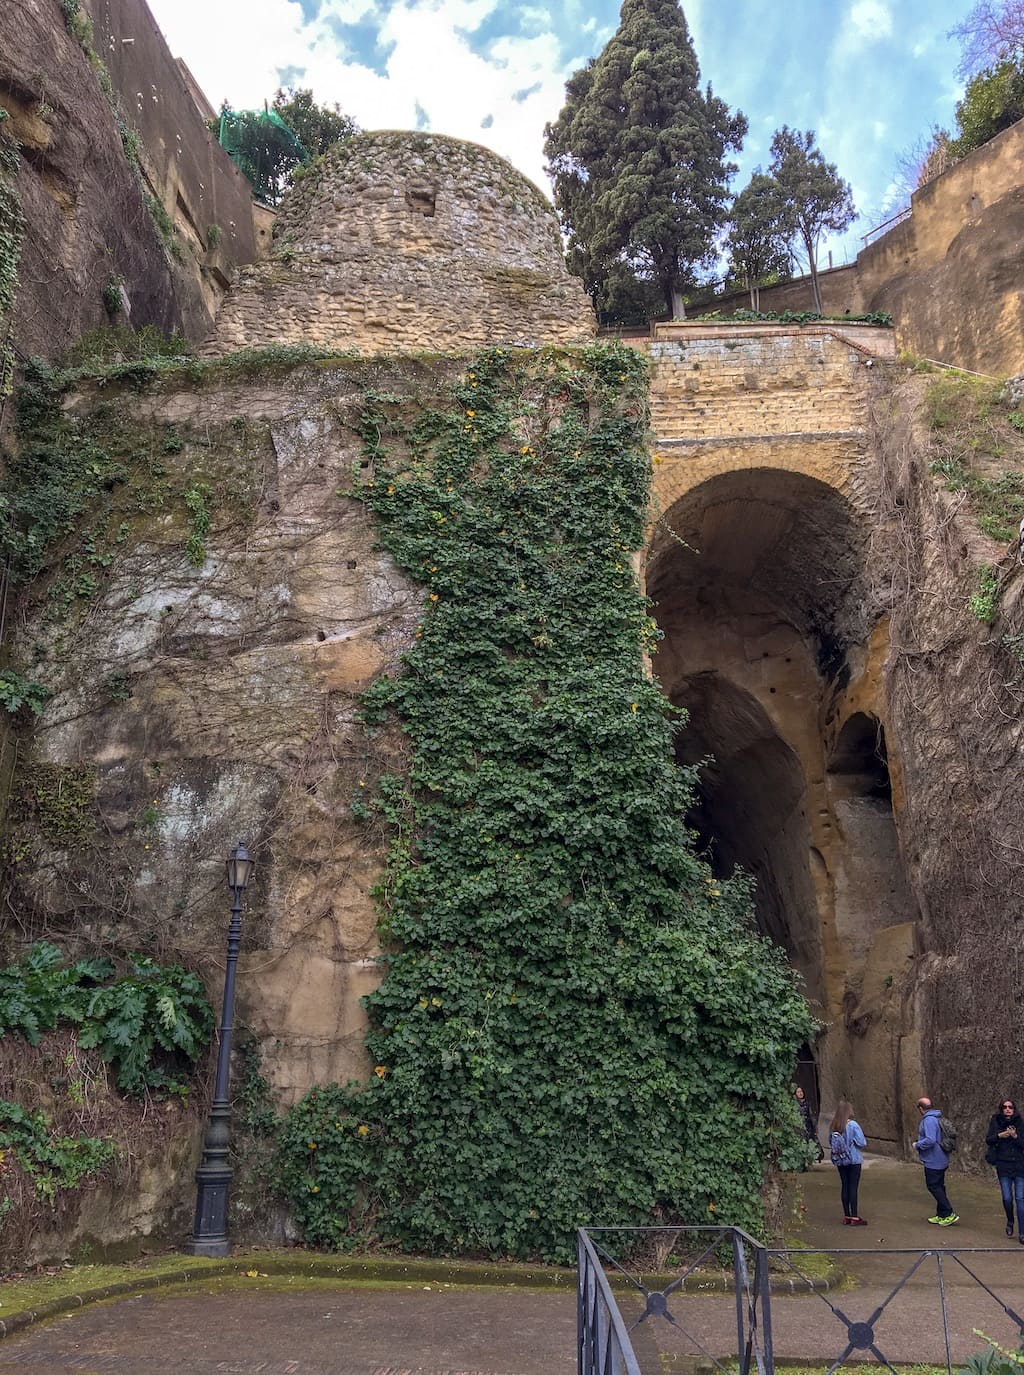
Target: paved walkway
(275, 1326)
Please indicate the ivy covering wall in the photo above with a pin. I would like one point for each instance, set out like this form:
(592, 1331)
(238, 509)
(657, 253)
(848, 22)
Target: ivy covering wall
(577, 1023)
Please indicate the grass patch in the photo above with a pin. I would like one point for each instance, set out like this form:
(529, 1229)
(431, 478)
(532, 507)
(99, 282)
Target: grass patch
(978, 448)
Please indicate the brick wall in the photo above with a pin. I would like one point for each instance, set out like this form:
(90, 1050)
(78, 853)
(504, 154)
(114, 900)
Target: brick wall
(726, 382)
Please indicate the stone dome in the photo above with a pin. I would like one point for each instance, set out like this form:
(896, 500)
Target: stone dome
(409, 241)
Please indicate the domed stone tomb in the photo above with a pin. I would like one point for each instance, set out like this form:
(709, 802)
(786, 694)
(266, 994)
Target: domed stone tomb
(409, 241)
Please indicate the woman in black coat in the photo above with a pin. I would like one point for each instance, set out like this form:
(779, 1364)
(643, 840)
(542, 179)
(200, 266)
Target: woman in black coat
(1005, 1141)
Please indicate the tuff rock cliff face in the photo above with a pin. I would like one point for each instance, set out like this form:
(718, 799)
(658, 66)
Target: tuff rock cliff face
(954, 685)
(208, 626)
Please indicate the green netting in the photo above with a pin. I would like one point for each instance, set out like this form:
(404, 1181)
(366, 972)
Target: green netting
(263, 147)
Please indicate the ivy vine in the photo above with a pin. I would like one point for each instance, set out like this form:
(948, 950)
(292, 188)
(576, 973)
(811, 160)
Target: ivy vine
(577, 1023)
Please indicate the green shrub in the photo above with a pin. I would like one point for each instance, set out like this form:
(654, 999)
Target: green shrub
(983, 603)
(17, 691)
(148, 1025)
(52, 1161)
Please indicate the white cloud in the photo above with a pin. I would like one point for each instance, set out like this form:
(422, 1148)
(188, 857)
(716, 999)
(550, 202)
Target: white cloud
(431, 66)
(871, 20)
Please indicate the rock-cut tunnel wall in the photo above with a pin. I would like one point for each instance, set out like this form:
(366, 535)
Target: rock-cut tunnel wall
(774, 643)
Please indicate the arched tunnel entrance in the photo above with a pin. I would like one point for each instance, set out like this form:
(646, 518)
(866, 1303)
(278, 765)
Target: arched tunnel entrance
(757, 577)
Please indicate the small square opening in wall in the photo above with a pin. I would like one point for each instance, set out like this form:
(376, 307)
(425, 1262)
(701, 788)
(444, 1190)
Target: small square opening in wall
(422, 199)
(351, 563)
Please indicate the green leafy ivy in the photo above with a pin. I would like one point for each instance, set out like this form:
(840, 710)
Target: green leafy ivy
(577, 1023)
(149, 1025)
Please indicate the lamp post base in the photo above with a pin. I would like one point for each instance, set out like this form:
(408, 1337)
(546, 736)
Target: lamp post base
(207, 1246)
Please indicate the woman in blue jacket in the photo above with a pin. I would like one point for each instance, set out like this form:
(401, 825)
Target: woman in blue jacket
(847, 1141)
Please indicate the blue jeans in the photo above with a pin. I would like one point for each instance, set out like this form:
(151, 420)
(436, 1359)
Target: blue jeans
(1011, 1187)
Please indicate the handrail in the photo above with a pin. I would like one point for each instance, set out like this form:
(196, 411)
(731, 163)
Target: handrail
(603, 1345)
(886, 225)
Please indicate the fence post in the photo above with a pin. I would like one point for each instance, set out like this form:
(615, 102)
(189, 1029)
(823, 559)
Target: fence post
(764, 1289)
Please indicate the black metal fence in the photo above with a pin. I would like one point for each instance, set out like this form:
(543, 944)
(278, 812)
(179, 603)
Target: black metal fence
(616, 1308)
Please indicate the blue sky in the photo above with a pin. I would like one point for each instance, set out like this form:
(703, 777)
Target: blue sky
(869, 76)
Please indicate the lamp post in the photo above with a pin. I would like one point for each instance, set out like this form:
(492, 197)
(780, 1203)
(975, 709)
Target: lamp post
(210, 1229)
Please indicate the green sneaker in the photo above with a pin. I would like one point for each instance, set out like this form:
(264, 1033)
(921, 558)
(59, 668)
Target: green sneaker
(936, 1220)
(948, 1221)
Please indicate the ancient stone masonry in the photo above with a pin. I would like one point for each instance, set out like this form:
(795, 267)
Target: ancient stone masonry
(399, 241)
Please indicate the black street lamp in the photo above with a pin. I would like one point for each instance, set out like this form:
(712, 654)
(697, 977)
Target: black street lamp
(213, 1177)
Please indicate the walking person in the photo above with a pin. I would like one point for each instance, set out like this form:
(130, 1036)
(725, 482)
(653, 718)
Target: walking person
(1005, 1142)
(847, 1141)
(810, 1126)
(935, 1160)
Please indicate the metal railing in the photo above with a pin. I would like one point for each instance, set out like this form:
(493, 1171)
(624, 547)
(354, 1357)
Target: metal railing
(728, 1258)
(876, 231)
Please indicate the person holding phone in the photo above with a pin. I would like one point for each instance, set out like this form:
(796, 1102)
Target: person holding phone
(1005, 1142)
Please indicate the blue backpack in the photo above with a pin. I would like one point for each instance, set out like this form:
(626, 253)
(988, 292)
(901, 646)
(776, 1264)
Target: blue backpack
(839, 1148)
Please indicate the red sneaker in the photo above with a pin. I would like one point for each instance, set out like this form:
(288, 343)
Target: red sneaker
(858, 1222)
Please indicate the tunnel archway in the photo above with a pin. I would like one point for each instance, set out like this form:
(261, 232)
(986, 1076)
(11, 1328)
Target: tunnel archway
(750, 811)
(757, 579)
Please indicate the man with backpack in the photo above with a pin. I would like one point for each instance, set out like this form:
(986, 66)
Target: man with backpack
(935, 1139)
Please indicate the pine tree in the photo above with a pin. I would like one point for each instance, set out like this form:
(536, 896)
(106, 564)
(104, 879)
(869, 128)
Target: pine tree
(638, 157)
(758, 235)
(817, 199)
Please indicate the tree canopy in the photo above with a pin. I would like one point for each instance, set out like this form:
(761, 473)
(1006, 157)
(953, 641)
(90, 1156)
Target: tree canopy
(993, 101)
(638, 161)
(269, 144)
(317, 127)
(759, 235)
(817, 199)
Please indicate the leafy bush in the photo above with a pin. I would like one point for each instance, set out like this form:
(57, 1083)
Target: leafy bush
(983, 602)
(197, 500)
(147, 1025)
(800, 317)
(17, 691)
(577, 1021)
(53, 1161)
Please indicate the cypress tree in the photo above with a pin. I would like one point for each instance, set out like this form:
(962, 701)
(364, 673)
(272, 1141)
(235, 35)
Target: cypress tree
(637, 157)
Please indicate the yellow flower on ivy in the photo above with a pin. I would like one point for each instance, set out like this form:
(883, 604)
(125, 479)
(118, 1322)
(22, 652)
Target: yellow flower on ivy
(314, 1188)
(312, 1145)
(433, 596)
(380, 1071)
(424, 1003)
(363, 1129)
(633, 706)
(435, 1002)
(471, 414)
